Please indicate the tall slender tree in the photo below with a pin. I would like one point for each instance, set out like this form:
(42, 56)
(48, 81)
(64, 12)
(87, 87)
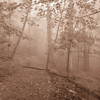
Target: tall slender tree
(29, 2)
(48, 34)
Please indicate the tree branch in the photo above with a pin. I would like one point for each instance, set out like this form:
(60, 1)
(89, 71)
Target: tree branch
(90, 14)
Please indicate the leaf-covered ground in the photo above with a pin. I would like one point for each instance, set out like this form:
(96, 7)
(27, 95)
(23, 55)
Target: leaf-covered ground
(27, 84)
(19, 83)
(24, 84)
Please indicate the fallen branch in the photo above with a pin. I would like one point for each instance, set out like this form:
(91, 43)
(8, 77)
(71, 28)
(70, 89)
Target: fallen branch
(34, 68)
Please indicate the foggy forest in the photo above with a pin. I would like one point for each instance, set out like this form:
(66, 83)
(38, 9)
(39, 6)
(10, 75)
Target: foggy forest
(49, 49)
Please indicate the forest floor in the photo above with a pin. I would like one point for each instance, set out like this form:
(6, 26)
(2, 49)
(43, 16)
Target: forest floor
(19, 83)
(23, 84)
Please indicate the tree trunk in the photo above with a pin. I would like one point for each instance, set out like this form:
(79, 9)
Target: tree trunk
(68, 58)
(20, 37)
(48, 36)
(78, 60)
(69, 35)
(86, 57)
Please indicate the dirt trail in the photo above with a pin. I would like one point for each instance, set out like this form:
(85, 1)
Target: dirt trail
(19, 83)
